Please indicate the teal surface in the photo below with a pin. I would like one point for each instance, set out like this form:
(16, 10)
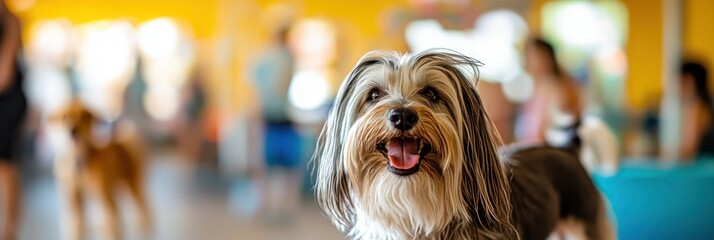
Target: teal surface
(652, 200)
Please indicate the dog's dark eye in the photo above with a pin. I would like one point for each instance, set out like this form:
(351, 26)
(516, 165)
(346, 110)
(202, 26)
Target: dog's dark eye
(374, 95)
(430, 94)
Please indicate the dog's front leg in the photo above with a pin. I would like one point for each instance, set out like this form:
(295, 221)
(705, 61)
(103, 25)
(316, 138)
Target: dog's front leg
(107, 200)
(72, 218)
(137, 191)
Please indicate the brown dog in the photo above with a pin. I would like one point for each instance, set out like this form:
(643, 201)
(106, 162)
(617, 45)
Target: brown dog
(95, 168)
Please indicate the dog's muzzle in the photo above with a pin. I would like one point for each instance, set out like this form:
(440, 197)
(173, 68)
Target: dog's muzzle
(403, 153)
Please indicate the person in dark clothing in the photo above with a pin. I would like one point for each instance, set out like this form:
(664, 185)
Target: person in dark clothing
(697, 111)
(12, 110)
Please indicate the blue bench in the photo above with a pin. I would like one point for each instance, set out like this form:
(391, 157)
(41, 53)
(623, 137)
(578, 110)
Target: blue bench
(658, 201)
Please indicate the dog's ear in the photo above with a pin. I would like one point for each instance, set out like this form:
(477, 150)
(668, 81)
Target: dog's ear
(484, 185)
(332, 188)
(483, 167)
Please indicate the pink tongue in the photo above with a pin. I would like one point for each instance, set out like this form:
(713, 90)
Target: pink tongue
(403, 153)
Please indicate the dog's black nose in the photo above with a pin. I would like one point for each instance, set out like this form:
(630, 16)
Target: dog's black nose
(403, 118)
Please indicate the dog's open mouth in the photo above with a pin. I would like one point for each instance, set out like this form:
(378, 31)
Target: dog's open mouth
(404, 154)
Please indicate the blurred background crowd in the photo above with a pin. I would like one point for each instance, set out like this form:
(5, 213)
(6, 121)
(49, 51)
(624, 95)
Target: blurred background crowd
(230, 95)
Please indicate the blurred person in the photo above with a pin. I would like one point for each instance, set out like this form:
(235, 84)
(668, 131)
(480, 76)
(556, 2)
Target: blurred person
(272, 74)
(189, 133)
(554, 114)
(697, 134)
(12, 109)
(554, 92)
(282, 144)
(645, 129)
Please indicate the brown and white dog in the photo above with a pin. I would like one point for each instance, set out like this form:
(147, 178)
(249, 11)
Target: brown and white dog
(98, 165)
(408, 152)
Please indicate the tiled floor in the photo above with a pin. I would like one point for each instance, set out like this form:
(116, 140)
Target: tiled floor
(185, 207)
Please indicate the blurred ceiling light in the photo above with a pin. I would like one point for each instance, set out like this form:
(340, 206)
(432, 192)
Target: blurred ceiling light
(158, 38)
(584, 32)
(493, 41)
(585, 26)
(51, 42)
(308, 90)
(578, 24)
(167, 52)
(314, 43)
(105, 63)
(106, 51)
(501, 25)
(48, 88)
(162, 103)
(47, 56)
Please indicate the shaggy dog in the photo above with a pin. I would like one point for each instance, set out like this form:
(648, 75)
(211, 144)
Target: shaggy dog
(408, 152)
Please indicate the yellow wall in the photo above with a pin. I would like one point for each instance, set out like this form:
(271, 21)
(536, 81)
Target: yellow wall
(698, 31)
(199, 14)
(534, 16)
(644, 52)
(644, 48)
